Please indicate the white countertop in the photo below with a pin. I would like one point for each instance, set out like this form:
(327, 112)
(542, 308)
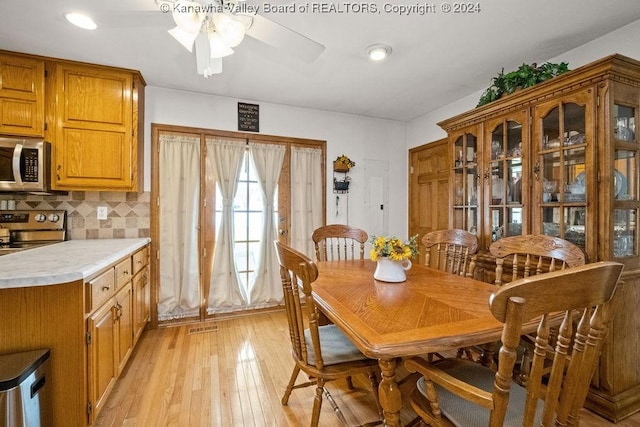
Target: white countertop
(63, 262)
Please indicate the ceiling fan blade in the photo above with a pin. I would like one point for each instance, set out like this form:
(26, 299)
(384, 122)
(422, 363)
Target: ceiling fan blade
(283, 38)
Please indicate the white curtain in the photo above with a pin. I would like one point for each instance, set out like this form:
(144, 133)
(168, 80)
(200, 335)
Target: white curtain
(267, 287)
(306, 197)
(179, 159)
(224, 162)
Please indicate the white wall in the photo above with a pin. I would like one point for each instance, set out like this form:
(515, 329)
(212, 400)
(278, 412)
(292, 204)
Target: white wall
(623, 41)
(358, 137)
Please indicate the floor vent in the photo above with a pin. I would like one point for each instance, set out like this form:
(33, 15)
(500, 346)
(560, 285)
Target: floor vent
(203, 329)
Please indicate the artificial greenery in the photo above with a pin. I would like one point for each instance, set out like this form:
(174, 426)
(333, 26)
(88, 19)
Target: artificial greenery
(525, 76)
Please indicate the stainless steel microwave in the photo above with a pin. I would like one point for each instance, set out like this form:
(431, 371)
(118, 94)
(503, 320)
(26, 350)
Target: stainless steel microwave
(25, 165)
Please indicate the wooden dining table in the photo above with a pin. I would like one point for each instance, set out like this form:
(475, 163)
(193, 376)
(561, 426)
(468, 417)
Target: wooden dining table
(432, 311)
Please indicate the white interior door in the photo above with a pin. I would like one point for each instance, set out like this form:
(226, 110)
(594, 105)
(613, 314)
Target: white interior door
(376, 175)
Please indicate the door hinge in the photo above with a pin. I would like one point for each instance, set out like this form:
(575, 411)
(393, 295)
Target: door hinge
(158, 254)
(411, 170)
(89, 408)
(45, 126)
(597, 100)
(87, 338)
(46, 74)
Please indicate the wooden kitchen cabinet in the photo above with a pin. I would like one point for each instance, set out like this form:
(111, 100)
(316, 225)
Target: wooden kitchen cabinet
(110, 326)
(22, 95)
(562, 159)
(101, 342)
(124, 326)
(95, 118)
(141, 292)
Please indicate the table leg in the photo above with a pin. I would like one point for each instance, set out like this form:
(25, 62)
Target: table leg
(389, 393)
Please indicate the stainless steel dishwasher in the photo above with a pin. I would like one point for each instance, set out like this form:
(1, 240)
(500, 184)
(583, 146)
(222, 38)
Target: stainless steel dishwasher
(24, 389)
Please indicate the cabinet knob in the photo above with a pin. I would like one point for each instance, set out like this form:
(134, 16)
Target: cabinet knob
(106, 288)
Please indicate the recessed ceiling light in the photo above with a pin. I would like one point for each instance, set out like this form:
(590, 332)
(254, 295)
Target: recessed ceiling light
(378, 51)
(81, 20)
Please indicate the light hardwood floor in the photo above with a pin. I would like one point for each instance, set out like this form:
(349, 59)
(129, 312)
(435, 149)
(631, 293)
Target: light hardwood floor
(234, 376)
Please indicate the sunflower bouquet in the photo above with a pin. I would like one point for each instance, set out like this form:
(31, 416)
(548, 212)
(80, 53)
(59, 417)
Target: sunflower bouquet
(393, 248)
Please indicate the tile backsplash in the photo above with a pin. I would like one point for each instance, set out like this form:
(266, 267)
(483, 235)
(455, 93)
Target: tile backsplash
(128, 214)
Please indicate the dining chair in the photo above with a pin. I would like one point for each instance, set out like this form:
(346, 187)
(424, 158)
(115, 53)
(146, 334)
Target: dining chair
(451, 250)
(523, 256)
(323, 353)
(459, 392)
(527, 255)
(339, 242)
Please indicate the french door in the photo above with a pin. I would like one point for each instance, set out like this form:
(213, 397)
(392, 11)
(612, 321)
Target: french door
(200, 221)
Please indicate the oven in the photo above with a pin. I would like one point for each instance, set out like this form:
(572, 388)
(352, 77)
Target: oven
(22, 230)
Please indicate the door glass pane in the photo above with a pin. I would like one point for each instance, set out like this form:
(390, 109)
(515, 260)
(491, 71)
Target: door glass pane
(574, 124)
(624, 241)
(497, 221)
(514, 222)
(248, 221)
(576, 175)
(624, 126)
(551, 221)
(575, 220)
(514, 139)
(625, 175)
(551, 129)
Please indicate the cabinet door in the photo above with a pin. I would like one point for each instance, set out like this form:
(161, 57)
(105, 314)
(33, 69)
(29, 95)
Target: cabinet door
(93, 127)
(465, 183)
(141, 302)
(621, 236)
(564, 188)
(102, 365)
(506, 183)
(21, 96)
(124, 323)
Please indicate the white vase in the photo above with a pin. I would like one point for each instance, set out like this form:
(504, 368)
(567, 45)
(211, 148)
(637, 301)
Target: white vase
(391, 271)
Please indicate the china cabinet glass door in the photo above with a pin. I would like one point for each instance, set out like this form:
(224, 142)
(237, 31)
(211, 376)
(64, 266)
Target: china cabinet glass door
(505, 183)
(625, 174)
(465, 194)
(564, 171)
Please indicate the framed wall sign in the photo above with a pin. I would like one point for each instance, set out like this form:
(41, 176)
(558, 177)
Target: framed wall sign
(248, 117)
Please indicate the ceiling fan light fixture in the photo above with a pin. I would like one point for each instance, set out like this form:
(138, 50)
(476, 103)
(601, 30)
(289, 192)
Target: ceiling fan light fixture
(231, 31)
(218, 48)
(81, 20)
(188, 16)
(378, 51)
(184, 38)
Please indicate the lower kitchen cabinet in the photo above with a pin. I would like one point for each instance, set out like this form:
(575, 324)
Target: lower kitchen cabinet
(141, 303)
(110, 342)
(88, 324)
(101, 340)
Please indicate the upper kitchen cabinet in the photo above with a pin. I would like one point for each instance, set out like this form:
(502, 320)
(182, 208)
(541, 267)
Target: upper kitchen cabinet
(95, 119)
(21, 96)
(561, 158)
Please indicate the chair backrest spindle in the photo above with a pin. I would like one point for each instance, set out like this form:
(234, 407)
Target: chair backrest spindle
(451, 250)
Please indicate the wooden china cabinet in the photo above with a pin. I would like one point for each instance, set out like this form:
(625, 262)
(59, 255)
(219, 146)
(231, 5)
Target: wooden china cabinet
(561, 159)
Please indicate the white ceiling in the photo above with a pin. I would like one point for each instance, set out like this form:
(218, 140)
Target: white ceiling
(437, 58)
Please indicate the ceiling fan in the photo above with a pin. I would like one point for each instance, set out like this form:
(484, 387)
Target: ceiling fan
(214, 27)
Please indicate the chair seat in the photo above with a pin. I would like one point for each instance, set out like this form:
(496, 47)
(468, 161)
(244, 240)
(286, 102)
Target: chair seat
(336, 347)
(463, 413)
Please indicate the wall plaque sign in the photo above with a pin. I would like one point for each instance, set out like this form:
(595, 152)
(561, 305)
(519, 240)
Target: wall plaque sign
(248, 117)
